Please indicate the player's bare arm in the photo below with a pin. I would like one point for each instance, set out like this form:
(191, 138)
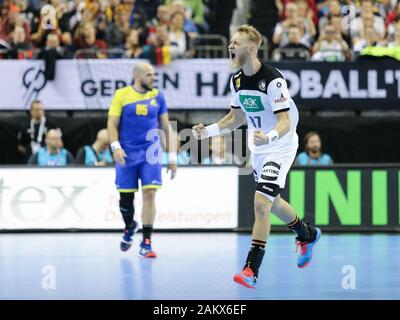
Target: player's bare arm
(281, 128)
(171, 143)
(119, 154)
(230, 122)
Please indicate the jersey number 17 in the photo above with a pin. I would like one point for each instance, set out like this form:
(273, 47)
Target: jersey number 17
(256, 121)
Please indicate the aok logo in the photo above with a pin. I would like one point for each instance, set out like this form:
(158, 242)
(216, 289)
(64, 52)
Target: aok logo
(251, 103)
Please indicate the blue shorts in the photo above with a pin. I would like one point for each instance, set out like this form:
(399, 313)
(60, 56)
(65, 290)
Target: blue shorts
(127, 177)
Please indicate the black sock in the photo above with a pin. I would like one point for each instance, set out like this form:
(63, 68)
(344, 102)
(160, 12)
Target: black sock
(127, 209)
(147, 230)
(255, 256)
(301, 229)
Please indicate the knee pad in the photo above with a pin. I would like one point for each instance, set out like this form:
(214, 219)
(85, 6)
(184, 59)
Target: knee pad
(126, 202)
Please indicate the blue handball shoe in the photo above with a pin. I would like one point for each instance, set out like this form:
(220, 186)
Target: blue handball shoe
(246, 278)
(306, 248)
(127, 240)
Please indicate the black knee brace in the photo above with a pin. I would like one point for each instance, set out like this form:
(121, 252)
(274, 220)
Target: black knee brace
(126, 207)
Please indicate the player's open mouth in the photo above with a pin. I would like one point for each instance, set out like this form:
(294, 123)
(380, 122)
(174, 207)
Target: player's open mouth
(233, 55)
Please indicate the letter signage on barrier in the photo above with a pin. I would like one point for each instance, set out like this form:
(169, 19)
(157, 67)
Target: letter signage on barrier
(204, 84)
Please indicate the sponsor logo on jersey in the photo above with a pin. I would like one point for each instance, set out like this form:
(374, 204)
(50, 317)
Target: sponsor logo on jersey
(237, 83)
(281, 99)
(251, 103)
(271, 171)
(262, 85)
(153, 102)
(268, 189)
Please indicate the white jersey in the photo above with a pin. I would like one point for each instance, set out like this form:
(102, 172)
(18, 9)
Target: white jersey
(261, 96)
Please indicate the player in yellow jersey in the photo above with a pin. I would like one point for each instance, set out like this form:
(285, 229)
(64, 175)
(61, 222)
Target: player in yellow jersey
(133, 120)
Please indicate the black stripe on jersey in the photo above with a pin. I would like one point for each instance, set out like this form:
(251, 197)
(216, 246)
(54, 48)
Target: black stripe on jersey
(281, 110)
(271, 163)
(235, 107)
(267, 178)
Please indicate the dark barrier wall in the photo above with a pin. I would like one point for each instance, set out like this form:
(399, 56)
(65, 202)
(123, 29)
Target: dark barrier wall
(346, 139)
(344, 85)
(336, 199)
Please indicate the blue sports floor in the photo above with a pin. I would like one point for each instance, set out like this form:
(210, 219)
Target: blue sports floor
(194, 266)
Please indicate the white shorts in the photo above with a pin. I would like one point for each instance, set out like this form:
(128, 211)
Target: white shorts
(270, 171)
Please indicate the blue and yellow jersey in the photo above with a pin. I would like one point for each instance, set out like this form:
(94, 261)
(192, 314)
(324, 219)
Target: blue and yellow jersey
(138, 114)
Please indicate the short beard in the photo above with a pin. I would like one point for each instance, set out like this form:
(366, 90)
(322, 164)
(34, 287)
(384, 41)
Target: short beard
(146, 87)
(238, 64)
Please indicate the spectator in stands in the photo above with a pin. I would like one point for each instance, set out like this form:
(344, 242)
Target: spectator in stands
(189, 26)
(132, 47)
(313, 154)
(385, 8)
(330, 46)
(97, 154)
(311, 5)
(160, 51)
(219, 153)
(50, 54)
(195, 12)
(367, 18)
(294, 50)
(306, 13)
(117, 31)
(337, 22)
(396, 41)
(10, 21)
(392, 24)
(163, 17)
(281, 31)
(393, 15)
(149, 7)
(28, 12)
(137, 17)
(178, 37)
(19, 47)
(334, 8)
(45, 26)
(53, 154)
(87, 41)
(81, 16)
(369, 38)
(63, 15)
(31, 135)
(112, 9)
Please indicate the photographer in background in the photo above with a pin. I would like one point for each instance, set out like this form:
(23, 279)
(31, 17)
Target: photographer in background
(330, 46)
(32, 135)
(312, 154)
(53, 154)
(97, 154)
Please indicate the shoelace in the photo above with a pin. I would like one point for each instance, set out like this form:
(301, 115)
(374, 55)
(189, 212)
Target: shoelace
(302, 245)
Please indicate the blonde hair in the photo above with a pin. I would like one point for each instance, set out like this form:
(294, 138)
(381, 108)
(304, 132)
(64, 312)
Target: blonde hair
(253, 34)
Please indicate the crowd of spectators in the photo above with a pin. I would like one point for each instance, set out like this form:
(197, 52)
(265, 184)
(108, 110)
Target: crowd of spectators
(162, 30)
(334, 30)
(159, 30)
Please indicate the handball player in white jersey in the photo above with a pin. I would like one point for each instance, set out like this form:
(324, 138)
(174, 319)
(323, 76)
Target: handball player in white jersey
(260, 97)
